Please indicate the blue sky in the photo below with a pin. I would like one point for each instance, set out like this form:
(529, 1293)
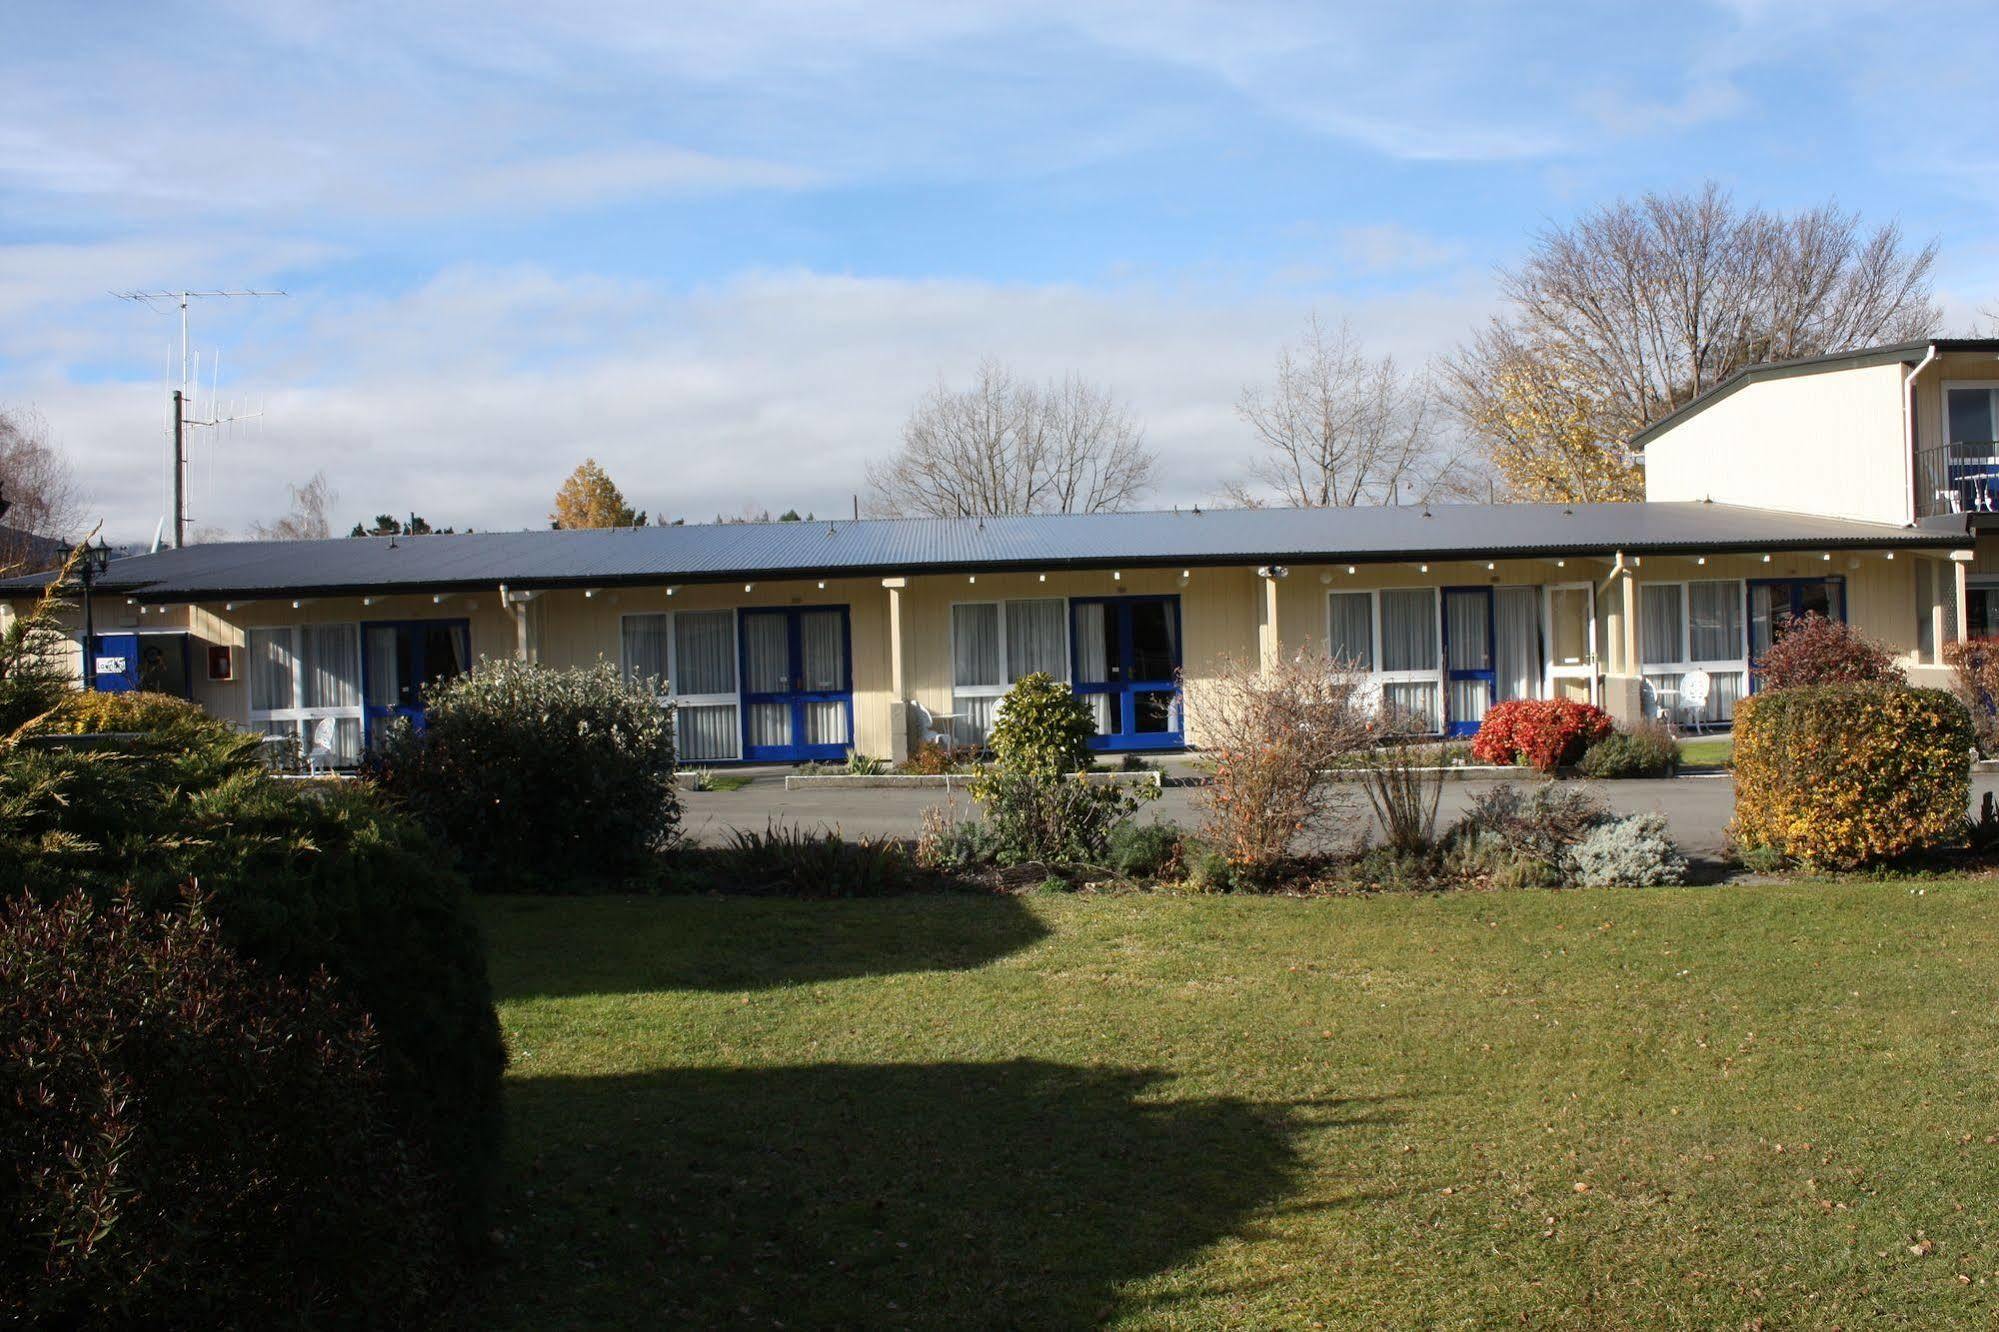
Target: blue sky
(724, 247)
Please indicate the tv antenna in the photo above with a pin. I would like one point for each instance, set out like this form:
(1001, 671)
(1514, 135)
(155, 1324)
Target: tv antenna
(184, 396)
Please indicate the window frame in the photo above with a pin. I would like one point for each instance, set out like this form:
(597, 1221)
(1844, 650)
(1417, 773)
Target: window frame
(299, 717)
(673, 695)
(1991, 388)
(1378, 677)
(1686, 662)
(999, 690)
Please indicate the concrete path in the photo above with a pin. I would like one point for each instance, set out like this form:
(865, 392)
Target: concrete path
(1697, 808)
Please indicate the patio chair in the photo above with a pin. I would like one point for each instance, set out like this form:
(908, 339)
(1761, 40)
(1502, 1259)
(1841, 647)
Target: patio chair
(1694, 689)
(320, 753)
(926, 727)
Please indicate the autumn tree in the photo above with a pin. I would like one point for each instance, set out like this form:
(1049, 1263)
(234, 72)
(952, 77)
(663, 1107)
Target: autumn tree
(1005, 445)
(308, 518)
(40, 487)
(1336, 428)
(1545, 434)
(1638, 307)
(589, 498)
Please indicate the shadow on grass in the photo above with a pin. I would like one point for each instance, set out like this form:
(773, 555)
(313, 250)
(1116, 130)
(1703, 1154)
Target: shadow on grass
(1010, 1194)
(560, 947)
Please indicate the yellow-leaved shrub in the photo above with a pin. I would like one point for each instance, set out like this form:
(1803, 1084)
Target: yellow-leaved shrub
(1837, 776)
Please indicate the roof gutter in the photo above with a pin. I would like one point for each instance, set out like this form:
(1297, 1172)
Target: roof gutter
(1909, 431)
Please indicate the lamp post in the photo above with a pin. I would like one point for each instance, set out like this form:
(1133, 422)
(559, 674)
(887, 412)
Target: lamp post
(95, 560)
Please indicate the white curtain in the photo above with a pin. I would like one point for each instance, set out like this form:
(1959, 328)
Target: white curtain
(704, 652)
(1035, 640)
(1714, 621)
(825, 723)
(824, 649)
(270, 653)
(768, 654)
(1659, 614)
(384, 674)
(770, 723)
(975, 646)
(1409, 629)
(705, 732)
(644, 649)
(1093, 662)
(1416, 700)
(1517, 651)
(1351, 629)
(332, 665)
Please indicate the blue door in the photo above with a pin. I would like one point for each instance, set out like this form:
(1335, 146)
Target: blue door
(1469, 678)
(1125, 663)
(116, 657)
(400, 659)
(798, 694)
(1774, 603)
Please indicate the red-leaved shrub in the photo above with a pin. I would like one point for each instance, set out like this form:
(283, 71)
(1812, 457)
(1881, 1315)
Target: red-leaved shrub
(1818, 651)
(186, 1141)
(1543, 733)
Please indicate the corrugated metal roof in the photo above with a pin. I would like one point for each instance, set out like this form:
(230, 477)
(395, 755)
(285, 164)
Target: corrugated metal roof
(715, 553)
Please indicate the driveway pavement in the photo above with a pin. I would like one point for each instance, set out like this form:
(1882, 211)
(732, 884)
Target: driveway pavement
(1697, 808)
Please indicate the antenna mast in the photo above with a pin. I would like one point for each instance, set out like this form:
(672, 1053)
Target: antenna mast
(184, 396)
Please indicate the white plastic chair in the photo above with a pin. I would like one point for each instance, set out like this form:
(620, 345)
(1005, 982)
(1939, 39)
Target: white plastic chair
(926, 726)
(320, 753)
(1694, 689)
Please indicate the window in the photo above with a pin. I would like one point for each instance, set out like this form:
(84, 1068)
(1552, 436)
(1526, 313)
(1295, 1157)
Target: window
(1936, 608)
(1392, 634)
(692, 654)
(1971, 416)
(993, 644)
(303, 675)
(1684, 627)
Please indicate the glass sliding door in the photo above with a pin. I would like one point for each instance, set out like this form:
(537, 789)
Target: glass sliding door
(1126, 664)
(1468, 657)
(1516, 658)
(993, 645)
(1411, 671)
(306, 684)
(1775, 603)
(689, 657)
(402, 659)
(798, 700)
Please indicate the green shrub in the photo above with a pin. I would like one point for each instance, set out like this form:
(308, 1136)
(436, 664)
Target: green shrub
(1541, 825)
(1033, 816)
(1488, 858)
(187, 1141)
(1042, 727)
(539, 778)
(34, 656)
(1208, 870)
(299, 877)
(1144, 850)
(1647, 749)
(793, 861)
(1844, 774)
(1631, 852)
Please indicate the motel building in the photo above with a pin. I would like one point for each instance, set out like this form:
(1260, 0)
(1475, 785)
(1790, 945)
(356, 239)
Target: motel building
(1860, 486)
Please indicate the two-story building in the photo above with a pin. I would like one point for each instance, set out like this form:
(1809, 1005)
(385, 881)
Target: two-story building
(1857, 486)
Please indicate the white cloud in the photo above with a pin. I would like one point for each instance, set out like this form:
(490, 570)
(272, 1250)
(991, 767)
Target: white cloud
(479, 390)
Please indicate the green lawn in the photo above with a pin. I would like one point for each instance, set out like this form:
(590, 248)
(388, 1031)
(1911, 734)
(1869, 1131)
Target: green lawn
(1676, 1108)
(1708, 751)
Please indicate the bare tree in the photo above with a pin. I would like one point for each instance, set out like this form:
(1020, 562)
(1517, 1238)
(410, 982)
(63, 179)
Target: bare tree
(309, 518)
(1337, 428)
(1640, 306)
(40, 488)
(1006, 446)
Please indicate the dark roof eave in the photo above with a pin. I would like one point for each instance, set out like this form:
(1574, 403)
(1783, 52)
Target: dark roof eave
(1904, 538)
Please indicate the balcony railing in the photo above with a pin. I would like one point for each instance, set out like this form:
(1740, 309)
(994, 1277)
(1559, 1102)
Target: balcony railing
(1958, 478)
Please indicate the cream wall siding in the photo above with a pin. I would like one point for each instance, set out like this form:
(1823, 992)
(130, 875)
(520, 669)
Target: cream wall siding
(492, 633)
(1219, 614)
(575, 630)
(1956, 367)
(1831, 443)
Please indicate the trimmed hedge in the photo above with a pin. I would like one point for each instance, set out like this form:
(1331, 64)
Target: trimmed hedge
(540, 779)
(1840, 775)
(188, 1141)
(1543, 734)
